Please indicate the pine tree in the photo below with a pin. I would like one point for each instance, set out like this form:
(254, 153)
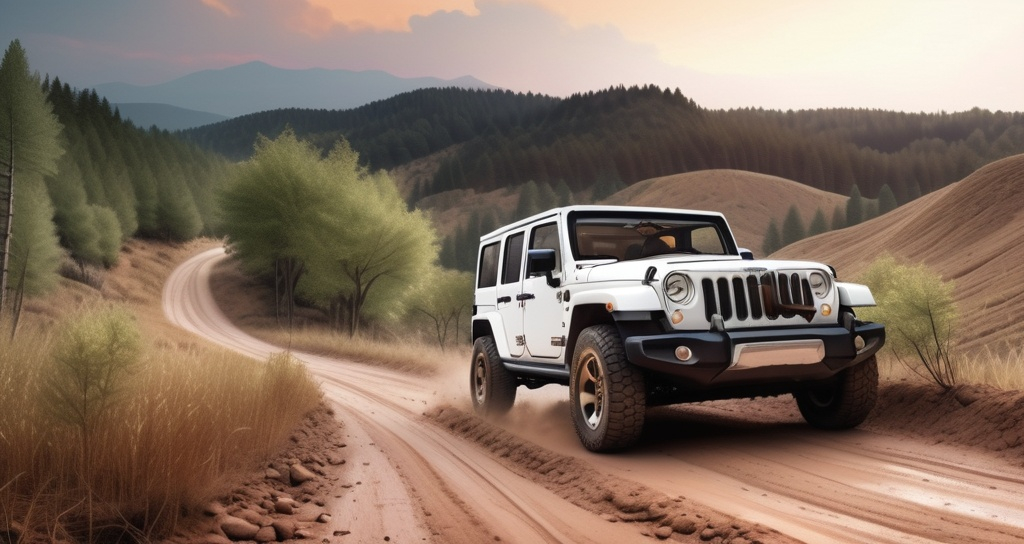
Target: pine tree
(854, 207)
(819, 224)
(772, 239)
(792, 227)
(838, 218)
(886, 200)
(29, 133)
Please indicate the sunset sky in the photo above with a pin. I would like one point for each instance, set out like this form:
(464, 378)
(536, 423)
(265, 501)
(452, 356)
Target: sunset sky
(914, 55)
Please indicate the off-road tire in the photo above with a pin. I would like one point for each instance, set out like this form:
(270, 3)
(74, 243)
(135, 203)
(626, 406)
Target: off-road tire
(844, 403)
(491, 386)
(607, 394)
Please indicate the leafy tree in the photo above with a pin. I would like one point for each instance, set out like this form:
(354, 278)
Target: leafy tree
(819, 224)
(772, 239)
(792, 227)
(29, 143)
(276, 211)
(886, 200)
(920, 316)
(854, 207)
(446, 297)
(379, 249)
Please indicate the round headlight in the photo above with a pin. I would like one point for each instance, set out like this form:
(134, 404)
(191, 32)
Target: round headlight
(819, 284)
(679, 288)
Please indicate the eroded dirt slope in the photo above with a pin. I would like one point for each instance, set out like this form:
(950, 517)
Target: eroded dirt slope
(970, 232)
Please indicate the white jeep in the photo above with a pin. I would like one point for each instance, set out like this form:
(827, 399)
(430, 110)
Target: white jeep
(637, 307)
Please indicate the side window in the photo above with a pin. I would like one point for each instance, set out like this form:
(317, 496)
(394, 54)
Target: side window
(513, 258)
(546, 237)
(488, 272)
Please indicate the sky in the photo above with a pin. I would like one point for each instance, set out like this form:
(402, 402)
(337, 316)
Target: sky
(906, 55)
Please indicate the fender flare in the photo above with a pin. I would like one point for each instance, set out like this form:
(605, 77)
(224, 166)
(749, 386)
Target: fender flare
(854, 294)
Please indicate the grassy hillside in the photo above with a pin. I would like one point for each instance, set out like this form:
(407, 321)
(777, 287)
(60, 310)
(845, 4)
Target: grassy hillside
(971, 232)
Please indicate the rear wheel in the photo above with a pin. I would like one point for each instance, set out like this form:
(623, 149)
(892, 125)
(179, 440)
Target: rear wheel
(607, 394)
(492, 387)
(844, 403)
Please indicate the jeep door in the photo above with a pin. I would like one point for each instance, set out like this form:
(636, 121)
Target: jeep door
(509, 290)
(542, 304)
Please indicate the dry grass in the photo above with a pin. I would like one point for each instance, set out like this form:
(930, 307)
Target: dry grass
(1004, 370)
(183, 423)
(180, 424)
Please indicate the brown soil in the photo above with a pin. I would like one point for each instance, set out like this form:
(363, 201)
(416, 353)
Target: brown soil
(970, 232)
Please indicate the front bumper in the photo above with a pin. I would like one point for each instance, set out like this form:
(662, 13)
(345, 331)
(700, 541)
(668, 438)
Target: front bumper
(752, 356)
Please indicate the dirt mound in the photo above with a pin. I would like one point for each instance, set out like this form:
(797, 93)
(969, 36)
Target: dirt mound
(970, 232)
(614, 499)
(748, 200)
(977, 416)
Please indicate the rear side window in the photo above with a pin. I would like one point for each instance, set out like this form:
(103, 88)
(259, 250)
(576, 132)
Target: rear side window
(513, 258)
(488, 272)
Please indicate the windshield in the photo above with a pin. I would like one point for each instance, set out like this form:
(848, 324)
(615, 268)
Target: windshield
(637, 237)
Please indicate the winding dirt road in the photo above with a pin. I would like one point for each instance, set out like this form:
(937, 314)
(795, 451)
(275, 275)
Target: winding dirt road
(754, 460)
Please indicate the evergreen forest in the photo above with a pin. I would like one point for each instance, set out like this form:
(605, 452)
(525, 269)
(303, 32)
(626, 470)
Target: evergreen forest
(612, 138)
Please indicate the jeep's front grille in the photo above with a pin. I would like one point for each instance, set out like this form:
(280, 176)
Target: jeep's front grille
(743, 297)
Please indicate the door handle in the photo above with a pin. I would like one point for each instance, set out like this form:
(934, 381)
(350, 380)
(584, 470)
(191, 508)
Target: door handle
(525, 296)
(505, 299)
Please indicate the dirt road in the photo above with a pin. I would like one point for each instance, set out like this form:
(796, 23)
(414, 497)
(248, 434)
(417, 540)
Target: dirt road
(750, 459)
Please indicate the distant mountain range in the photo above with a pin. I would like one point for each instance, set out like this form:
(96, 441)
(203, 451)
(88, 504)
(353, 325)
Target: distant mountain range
(166, 116)
(257, 86)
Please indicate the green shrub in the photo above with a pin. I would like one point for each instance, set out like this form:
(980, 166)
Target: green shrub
(920, 317)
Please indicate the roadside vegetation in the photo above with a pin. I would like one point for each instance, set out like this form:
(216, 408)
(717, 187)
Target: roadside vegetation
(104, 435)
(328, 233)
(921, 320)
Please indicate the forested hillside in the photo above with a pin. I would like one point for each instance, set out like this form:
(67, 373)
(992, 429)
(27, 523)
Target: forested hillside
(616, 137)
(157, 185)
(78, 180)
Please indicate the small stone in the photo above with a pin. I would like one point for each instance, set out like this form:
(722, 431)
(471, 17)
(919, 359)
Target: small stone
(342, 533)
(708, 535)
(663, 532)
(335, 459)
(285, 529)
(238, 529)
(300, 474)
(323, 518)
(266, 534)
(284, 506)
(253, 517)
(272, 474)
(213, 509)
(683, 525)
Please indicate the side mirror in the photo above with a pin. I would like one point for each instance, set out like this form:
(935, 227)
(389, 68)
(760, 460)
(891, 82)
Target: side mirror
(746, 254)
(542, 262)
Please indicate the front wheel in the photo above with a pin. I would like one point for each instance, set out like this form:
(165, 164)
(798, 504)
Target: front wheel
(492, 387)
(607, 394)
(844, 403)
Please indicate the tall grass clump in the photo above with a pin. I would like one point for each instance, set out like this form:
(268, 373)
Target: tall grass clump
(103, 436)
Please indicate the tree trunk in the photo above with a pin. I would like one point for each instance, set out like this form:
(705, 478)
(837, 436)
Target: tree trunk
(8, 228)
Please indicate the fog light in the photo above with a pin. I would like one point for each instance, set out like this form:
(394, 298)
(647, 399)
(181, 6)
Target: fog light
(677, 317)
(826, 310)
(683, 353)
(858, 342)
